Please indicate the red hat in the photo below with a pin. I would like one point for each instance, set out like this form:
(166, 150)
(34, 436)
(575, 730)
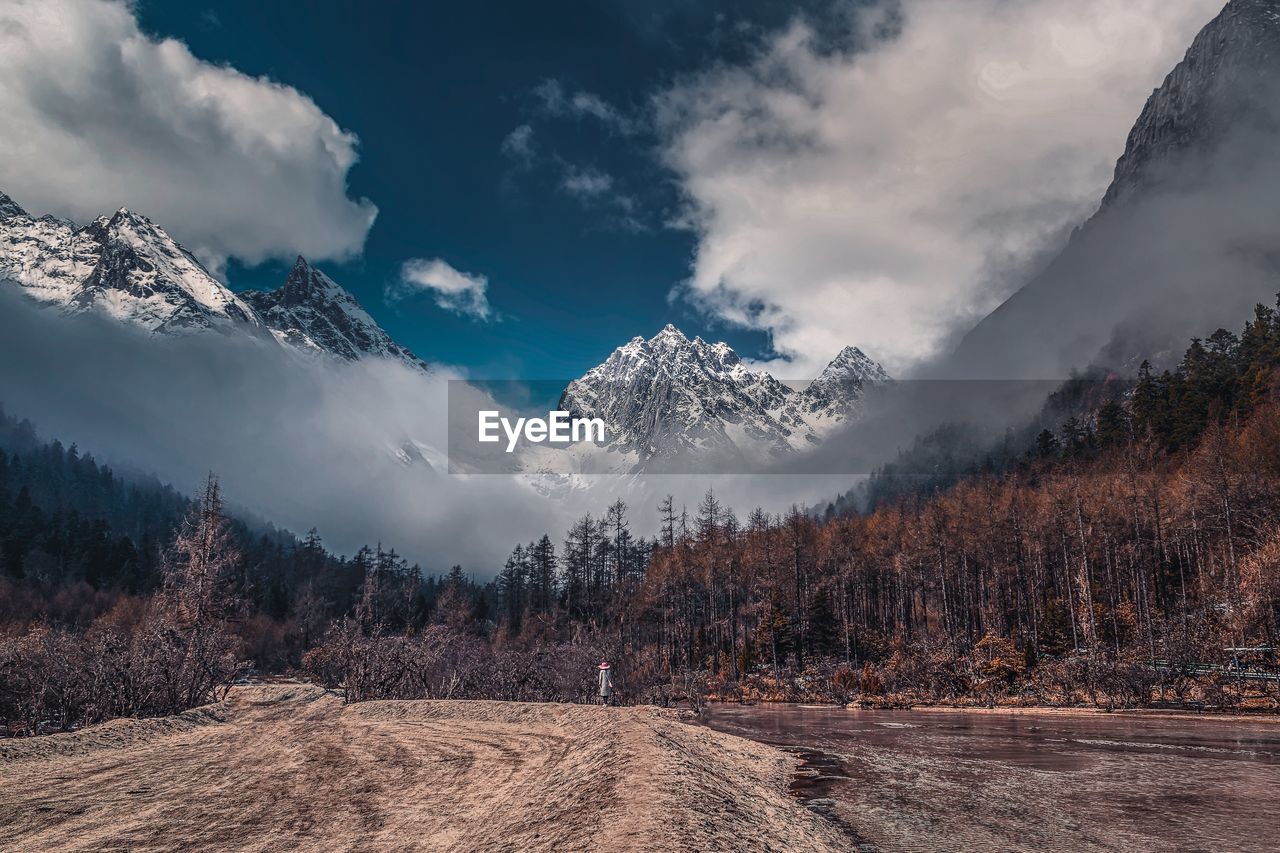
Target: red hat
(604, 664)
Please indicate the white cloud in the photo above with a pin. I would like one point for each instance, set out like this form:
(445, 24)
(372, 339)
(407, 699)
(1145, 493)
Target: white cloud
(98, 114)
(557, 101)
(453, 290)
(881, 197)
(586, 183)
(518, 145)
(129, 398)
(598, 190)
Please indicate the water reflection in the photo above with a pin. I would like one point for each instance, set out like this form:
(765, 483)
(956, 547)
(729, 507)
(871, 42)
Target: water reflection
(952, 780)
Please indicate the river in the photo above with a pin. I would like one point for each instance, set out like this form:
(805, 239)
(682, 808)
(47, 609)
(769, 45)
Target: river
(991, 780)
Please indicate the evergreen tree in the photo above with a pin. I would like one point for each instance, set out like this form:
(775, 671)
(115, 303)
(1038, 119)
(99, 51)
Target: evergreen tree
(513, 589)
(542, 576)
(823, 631)
(1113, 425)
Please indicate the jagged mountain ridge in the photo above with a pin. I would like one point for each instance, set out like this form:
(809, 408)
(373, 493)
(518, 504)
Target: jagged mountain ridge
(129, 268)
(311, 311)
(1177, 243)
(670, 396)
(663, 397)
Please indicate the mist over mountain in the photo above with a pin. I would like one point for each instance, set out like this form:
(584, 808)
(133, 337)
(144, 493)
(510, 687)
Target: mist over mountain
(1183, 239)
(115, 337)
(349, 447)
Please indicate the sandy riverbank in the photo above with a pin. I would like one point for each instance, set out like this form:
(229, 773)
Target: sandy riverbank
(289, 767)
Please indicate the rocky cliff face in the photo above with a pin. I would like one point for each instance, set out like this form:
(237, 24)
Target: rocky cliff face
(1227, 82)
(1181, 242)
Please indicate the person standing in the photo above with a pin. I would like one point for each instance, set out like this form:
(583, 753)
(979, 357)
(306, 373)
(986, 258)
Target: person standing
(606, 683)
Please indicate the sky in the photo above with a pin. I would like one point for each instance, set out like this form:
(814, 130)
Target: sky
(515, 189)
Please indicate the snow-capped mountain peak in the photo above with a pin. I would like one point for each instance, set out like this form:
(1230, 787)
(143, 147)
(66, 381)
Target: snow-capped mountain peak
(122, 265)
(9, 207)
(312, 312)
(667, 396)
(306, 284)
(143, 275)
(841, 385)
(852, 364)
(129, 268)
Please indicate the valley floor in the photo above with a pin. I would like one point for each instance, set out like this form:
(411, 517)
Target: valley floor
(290, 767)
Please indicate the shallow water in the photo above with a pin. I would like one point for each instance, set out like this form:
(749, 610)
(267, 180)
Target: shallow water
(956, 780)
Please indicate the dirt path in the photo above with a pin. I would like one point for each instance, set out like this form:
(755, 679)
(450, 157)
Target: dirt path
(288, 767)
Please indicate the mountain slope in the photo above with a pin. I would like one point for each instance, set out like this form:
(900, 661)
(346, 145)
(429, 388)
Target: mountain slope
(1223, 84)
(48, 257)
(144, 277)
(123, 265)
(1180, 240)
(839, 387)
(668, 397)
(313, 313)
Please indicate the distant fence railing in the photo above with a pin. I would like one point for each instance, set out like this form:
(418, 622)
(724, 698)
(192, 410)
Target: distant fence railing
(1240, 673)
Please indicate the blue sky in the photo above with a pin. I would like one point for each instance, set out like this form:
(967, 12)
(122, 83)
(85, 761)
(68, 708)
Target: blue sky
(433, 91)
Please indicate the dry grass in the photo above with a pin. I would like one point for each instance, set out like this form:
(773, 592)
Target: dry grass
(288, 767)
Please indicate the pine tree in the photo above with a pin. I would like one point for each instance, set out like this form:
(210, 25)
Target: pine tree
(1047, 445)
(823, 631)
(667, 515)
(1113, 425)
(542, 579)
(199, 569)
(513, 587)
(452, 606)
(620, 543)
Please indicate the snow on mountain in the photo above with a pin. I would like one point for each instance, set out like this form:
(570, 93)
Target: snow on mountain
(311, 312)
(669, 396)
(144, 277)
(839, 388)
(129, 268)
(662, 398)
(48, 257)
(123, 265)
